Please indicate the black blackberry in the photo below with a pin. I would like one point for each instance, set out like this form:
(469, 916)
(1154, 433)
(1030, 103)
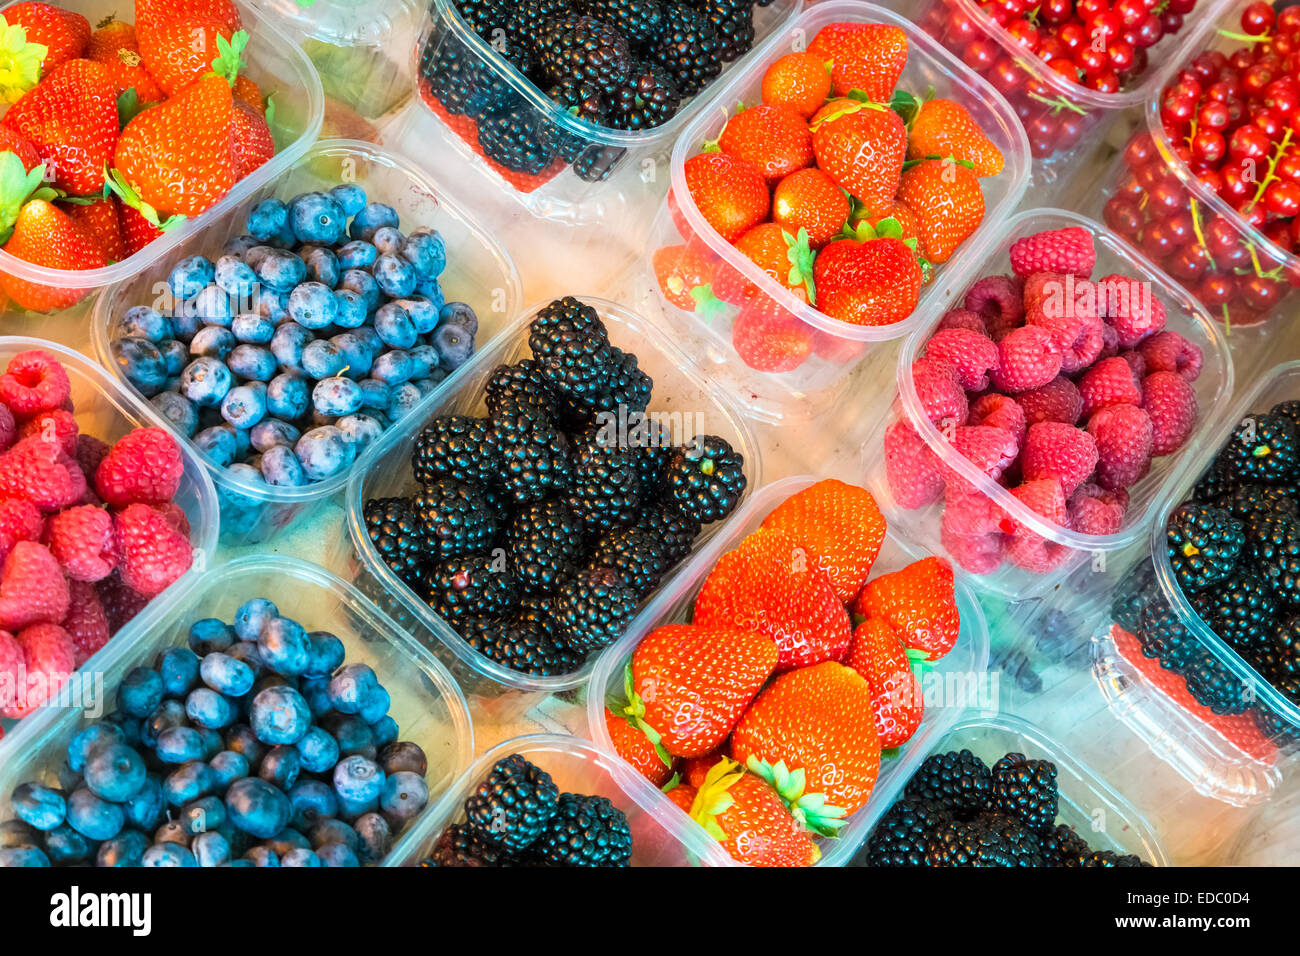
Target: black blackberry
(903, 834)
(596, 162)
(637, 555)
(1286, 649)
(459, 845)
(396, 534)
(454, 518)
(640, 21)
(534, 610)
(1291, 410)
(1132, 594)
(534, 453)
(648, 99)
(1250, 501)
(1025, 789)
(1216, 481)
(956, 780)
(1214, 686)
(988, 840)
(652, 446)
(1242, 611)
(460, 81)
(455, 446)
(476, 585)
(483, 16)
(582, 100)
(530, 17)
(1062, 846)
(1274, 547)
(593, 609)
(513, 804)
(584, 831)
(514, 136)
(1108, 858)
(523, 645)
(584, 48)
(569, 340)
(1277, 728)
(521, 383)
(1023, 846)
(629, 386)
(706, 478)
(689, 49)
(733, 22)
(544, 542)
(605, 492)
(1163, 636)
(675, 529)
(1203, 545)
(563, 313)
(1264, 448)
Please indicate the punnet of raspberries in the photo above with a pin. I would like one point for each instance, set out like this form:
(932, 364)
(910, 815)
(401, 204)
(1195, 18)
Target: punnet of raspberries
(89, 532)
(1060, 387)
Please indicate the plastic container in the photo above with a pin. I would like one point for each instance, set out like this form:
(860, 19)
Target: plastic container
(1087, 802)
(279, 68)
(386, 471)
(610, 167)
(957, 681)
(576, 766)
(426, 703)
(836, 346)
(478, 271)
(1213, 388)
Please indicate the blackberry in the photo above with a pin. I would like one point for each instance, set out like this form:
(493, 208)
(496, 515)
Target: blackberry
(706, 478)
(640, 21)
(471, 586)
(544, 543)
(513, 804)
(520, 384)
(638, 557)
(1214, 686)
(583, 101)
(1025, 789)
(1203, 544)
(689, 49)
(454, 519)
(1286, 648)
(1264, 448)
(1290, 410)
(1216, 482)
(1163, 637)
(534, 453)
(652, 446)
(1108, 858)
(584, 48)
(524, 646)
(629, 387)
(984, 841)
(593, 609)
(903, 834)
(606, 489)
(483, 16)
(458, 447)
(649, 98)
(597, 162)
(459, 845)
(1242, 612)
(1132, 594)
(462, 84)
(563, 313)
(733, 22)
(514, 136)
(1274, 545)
(1251, 501)
(957, 781)
(1023, 845)
(674, 529)
(569, 340)
(1062, 846)
(1276, 728)
(584, 831)
(530, 17)
(396, 533)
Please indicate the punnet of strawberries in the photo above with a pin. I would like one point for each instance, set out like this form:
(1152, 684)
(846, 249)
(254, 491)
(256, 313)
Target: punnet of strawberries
(1058, 387)
(765, 717)
(89, 532)
(115, 132)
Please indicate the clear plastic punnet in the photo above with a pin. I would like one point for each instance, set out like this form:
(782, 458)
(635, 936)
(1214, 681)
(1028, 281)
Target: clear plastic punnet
(834, 347)
(1066, 548)
(479, 272)
(426, 703)
(279, 68)
(957, 682)
(684, 403)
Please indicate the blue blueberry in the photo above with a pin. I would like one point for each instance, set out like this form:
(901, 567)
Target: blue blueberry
(168, 855)
(426, 252)
(329, 831)
(184, 324)
(336, 396)
(394, 326)
(357, 356)
(370, 339)
(279, 715)
(252, 328)
(393, 368)
(115, 773)
(350, 197)
(178, 668)
(350, 687)
(350, 309)
(254, 255)
(189, 276)
(375, 838)
(357, 254)
(324, 452)
(286, 840)
(374, 394)
(253, 362)
(207, 708)
(66, 846)
(288, 344)
(179, 745)
(265, 435)
(177, 410)
(458, 313)
(130, 726)
(360, 429)
(226, 675)
(323, 266)
(188, 782)
(403, 755)
(337, 855)
(267, 218)
(358, 780)
(322, 359)
(315, 690)
(145, 809)
(217, 444)
(312, 305)
(385, 731)
(176, 355)
(244, 405)
(404, 398)
(205, 381)
(147, 323)
(203, 814)
(281, 467)
(211, 306)
(280, 271)
(364, 285)
(241, 739)
(140, 692)
(312, 802)
(424, 360)
(173, 831)
(284, 646)
(422, 313)
(257, 807)
(211, 849)
(288, 396)
(271, 304)
(252, 616)
(124, 850)
(262, 856)
(212, 341)
(141, 362)
(228, 766)
(404, 795)
(170, 713)
(353, 734)
(212, 743)
(372, 217)
(454, 344)
(315, 217)
(87, 741)
(427, 287)
(238, 245)
(94, 817)
(38, 806)
(374, 705)
(23, 856)
(210, 634)
(236, 278)
(394, 275)
(388, 240)
(300, 857)
(317, 750)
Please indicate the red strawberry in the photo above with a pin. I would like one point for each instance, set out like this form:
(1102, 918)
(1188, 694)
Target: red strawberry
(876, 282)
(865, 56)
(911, 468)
(945, 128)
(949, 201)
(250, 139)
(114, 45)
(896, 699)
(798, 81)
(1171, 403)
(85, 623)
(98, 219)
(862, 147)
(32, 588)
(685, 274)
(64, 33)
(12, 142)
(809, 199)
(631, 743)
(683, 795)
(750, 819)
(730, 193)
(770, 342)
(153, 553)
(787, 259)
(920, 603)
(774, 140)
(1067, 250)
(179, 38)
(137, 229)
(45, 236)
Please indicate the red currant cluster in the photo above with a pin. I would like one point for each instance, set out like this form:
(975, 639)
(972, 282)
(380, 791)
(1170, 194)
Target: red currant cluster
(1097, 44)
(1233, 119)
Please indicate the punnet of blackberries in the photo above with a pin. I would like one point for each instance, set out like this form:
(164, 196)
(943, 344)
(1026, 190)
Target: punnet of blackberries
(539, 526)
(958, 811)
(517, 816)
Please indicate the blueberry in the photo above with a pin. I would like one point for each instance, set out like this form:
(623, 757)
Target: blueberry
(388, 240)
(146, 322)
(178, 668)
(312, 802)
(189, 781)
(337, 855)
(350, 687)
(315, 217)
(427, 287)
(145, 809)
(23, 856)
(318, 750)
(300, 857)
(323, 266)
(141, 362)
(394, 276)
(205, 813)
(357, 254)
(65, 846)
(350, 309)
(245, 405)
(226, 675)
(236, 278)
(212, 341)
(288, 343)
(353, 734)
(422, 313)
(330, 831)
(267, 218)
(257, 807)
(284, 646)
(454, 344)
(189, 276)
(252, 616)
(168, 855)
(211, 849)
(364, 285)
(287, 396)
(125, 849)
(254, 255)
(458, 313)
(426, 252)
(281, 766)
(38, 806)
(176, 355)
(404, 756)
(130, 726)
(173, 831)
(177, 410)
(271, 305)
(207, 708)
(185, 325)
(210, 634)
(403, 399)
(356, 355)
(170, 713)
(370, 339)
(205, 381)
(312, 305)
(324, 452)
(211, 306)
(424, 359)
(87, 741)
(322, 359)
(358, 779)
(265, 435)
(374, 394)
(393, 368)
(336, 396)
(217, 444)
(280, 271)
(228, 766)
(374, 706)
(94, 817)
(140, 692)
(253, 362)
(281, 467)
(385, 730)
(263, 856)
(279, 715)
(372, 217)
(212, 743)
(375, 838)
(359, 429)
(350, 197)
(241, 739)
(394, 326)
(252, 328)
(286, 840)
(238, 245)
(405, 794)
(115, 773)
(179, 745)
(315, 690)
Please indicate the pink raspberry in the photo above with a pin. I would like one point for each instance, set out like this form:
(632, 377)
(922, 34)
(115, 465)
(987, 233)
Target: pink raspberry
(34, 382)
(176, 517)
(963, 319)
(1124, 440)
(1026, 548)
(1026, 359)
(1132, 307)
(973, 354)
(1109, 342)
(1110, 382)
(91, 451)
(969, 511)
(32, 587)
(144, 466)
(998, 411)
(120, 603)
(1057, 401)
(1059, 451)
(911, 468)
(8, 428)
(975, 553)
(40, 472)
(152, 553)
(86, 623)
(57, 426)
(1171, 402)
(998, 300)
(1135, 361)
(1168, 351)
(1042, 287)
(13, 672)
(939, 389)
(991, 450)
(1094, 510)
(1058, 250)
(82, 541)
(19, 521)
(49, 660)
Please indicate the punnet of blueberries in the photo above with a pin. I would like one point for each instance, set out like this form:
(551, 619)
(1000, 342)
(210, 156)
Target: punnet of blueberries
(255, 745)
(311, 333)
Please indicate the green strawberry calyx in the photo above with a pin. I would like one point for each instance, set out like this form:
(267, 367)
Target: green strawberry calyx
(228, 62)
(936, 158)
(801, 256)
(887, 228)
(906, 105)
(707, 304)
(810, 810)
(858, 101)
(129, 106)
(126, 193)
(17, 187)
(634, 712)
(714, 797)
(20, 62)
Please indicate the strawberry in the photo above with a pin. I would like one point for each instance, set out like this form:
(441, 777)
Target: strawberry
(798, 81)
(251, 141)
(631, 743)
(909, 226)
(137, 230)
(114, 45)
(919, 602)
(897, 703)
(245, 89)
(862, 146)
(684, 275)
(688, 684)
(750, 819)
(944, 128)
(98, 219)
(811, 734)
(179, 38)
(695, 769)
(808, 199)
(177, 155)
(64, 33)
(773, 139)
(864, 56)
(770, 342)
(947, 198)
(770, 584)
(871, 282)
(11, 142)
(47, 237)
(730, 193)
(71, 120)
(841, 527)
(787, 259)
(683, 795)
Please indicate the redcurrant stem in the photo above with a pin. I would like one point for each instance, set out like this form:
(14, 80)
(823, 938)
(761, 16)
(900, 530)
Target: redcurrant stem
(1245, 37)
(1199, 230)
(1270, 177)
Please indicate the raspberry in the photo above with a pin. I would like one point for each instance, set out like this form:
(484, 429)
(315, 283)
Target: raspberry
(1073, 319)
(1094, 510)
(998, 300)
(976, 553)
(57, 426)
(176, 517)
(1134, 310)
(1168, 351)
(1026, 548)
(8, 428)
(999, 411)
(1109, 342)
(911, 468)
(939, 389)
(1058, 250)
(991, 450)
(1124, 439)
(153, 554)
(120, 603)
(1042, 286)
(49, 659)
(1171, 402)
(12, 671)
(39, 472)
(86, 623)
(1135, 361)
(1057, 401)
(968, 511)
(19, 521)
(82, 541)
(973, 354)
(1026, 359)
(963, 319)
(1110, 382)
(90, 452)
(32, 588)
(144, 466)
(34, 382)
(1056, 450)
